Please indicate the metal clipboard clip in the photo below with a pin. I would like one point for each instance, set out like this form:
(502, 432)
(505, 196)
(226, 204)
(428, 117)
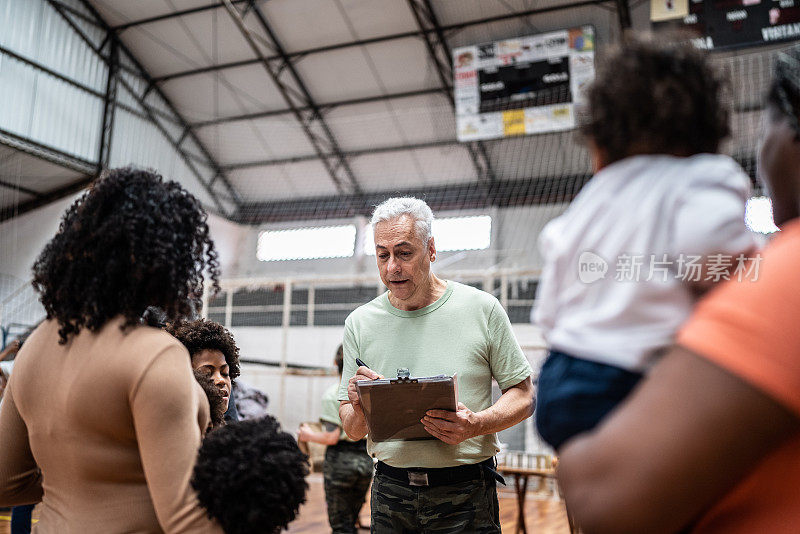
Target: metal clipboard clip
(403, 377)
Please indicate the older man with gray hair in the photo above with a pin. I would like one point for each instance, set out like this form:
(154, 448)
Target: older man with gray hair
(433, 326)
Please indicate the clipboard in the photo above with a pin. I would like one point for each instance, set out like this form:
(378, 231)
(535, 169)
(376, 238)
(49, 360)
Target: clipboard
(393, 407)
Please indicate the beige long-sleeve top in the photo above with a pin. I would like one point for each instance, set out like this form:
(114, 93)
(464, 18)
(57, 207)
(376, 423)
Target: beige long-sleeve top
(104, 431)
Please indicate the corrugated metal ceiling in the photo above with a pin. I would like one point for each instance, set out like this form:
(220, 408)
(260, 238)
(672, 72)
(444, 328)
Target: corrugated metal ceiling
(386, 141)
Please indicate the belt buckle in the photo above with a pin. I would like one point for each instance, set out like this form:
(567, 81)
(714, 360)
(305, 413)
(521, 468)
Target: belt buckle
(417, 478)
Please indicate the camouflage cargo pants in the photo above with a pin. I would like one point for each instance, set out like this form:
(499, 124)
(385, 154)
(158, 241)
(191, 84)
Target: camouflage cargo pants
(347, 473)
(463, 507)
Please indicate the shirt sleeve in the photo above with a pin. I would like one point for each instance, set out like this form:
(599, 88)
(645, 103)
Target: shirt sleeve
(506, 359)
(330, 408)
(750, 327)
(20, 478)
(350, 348)
(165, 408)
(710, 220)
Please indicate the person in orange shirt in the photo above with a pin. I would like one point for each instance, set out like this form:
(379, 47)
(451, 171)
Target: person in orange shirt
(710, 440)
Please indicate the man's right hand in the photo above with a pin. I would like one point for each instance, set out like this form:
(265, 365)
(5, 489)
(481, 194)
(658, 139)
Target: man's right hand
(362, 373)
(353, 420)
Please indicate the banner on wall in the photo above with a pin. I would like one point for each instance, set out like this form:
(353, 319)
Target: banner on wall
(522, 86)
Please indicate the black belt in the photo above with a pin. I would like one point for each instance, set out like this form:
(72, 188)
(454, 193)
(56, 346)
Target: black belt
(441, 476)
(345, 445)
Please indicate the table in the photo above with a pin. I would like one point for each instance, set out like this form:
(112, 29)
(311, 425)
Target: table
(521, 476)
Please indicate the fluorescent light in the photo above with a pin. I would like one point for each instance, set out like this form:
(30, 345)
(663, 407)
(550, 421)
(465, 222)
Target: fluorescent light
(307, 243)
(450, 233)
(758, 215)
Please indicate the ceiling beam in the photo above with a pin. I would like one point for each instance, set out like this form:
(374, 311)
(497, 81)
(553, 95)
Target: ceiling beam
(151, 112)
(623, 15)
(297, 97)
(51, 72)
(348, 153)
(324, 106)
(109, 108)
(501, 193)
(112, 63)
(441, 57)
(11, 212)
(74, 83)
(21, 189)
(392, 37)
(47, 153)
(78, 13)
(166, 16)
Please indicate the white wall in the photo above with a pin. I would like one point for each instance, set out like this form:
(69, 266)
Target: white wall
(21, 241)
(23, 238)
(229, 240)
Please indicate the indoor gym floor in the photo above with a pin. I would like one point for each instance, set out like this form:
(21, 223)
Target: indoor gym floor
(543, 515)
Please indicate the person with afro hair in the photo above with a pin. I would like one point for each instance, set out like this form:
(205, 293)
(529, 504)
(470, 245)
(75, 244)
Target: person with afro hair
(109, 404)
(250, 476)
(214, 356)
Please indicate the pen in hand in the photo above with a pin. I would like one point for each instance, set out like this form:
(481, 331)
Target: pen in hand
(361, 363)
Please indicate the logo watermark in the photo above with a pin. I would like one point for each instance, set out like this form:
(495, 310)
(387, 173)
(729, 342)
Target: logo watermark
(591, 267)
(661, 267)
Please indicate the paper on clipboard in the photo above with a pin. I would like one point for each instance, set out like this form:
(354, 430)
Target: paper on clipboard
(394, 407)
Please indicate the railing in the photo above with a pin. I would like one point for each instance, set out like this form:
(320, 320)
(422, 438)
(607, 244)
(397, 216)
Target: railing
(300, 302)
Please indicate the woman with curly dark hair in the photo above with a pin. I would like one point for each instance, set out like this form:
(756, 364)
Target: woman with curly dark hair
(662, 212)
(250, 476)
(214, 356)
(102, 418)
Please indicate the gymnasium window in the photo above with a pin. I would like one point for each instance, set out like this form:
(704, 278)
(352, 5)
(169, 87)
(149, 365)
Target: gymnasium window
(450, 233)
(307, 243)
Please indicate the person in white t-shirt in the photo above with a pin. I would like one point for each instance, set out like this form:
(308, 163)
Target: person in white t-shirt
(660, 222)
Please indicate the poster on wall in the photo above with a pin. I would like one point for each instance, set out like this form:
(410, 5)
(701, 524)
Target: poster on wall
(721, 24)
(521, 86)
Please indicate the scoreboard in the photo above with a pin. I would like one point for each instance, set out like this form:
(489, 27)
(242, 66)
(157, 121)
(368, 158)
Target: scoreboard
(521, 86)
(722, 24)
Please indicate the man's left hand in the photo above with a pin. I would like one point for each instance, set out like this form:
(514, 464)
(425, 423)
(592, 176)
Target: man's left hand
(304, 433)
(452, 427)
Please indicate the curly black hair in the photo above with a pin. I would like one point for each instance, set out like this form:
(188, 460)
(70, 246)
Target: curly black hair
(250, 476)
(216, 402)
(656, 94)
(202, 334)
(133, 240)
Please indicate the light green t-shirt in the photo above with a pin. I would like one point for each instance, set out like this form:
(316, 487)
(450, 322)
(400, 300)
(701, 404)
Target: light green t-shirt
(330, 409)
(466, 332)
